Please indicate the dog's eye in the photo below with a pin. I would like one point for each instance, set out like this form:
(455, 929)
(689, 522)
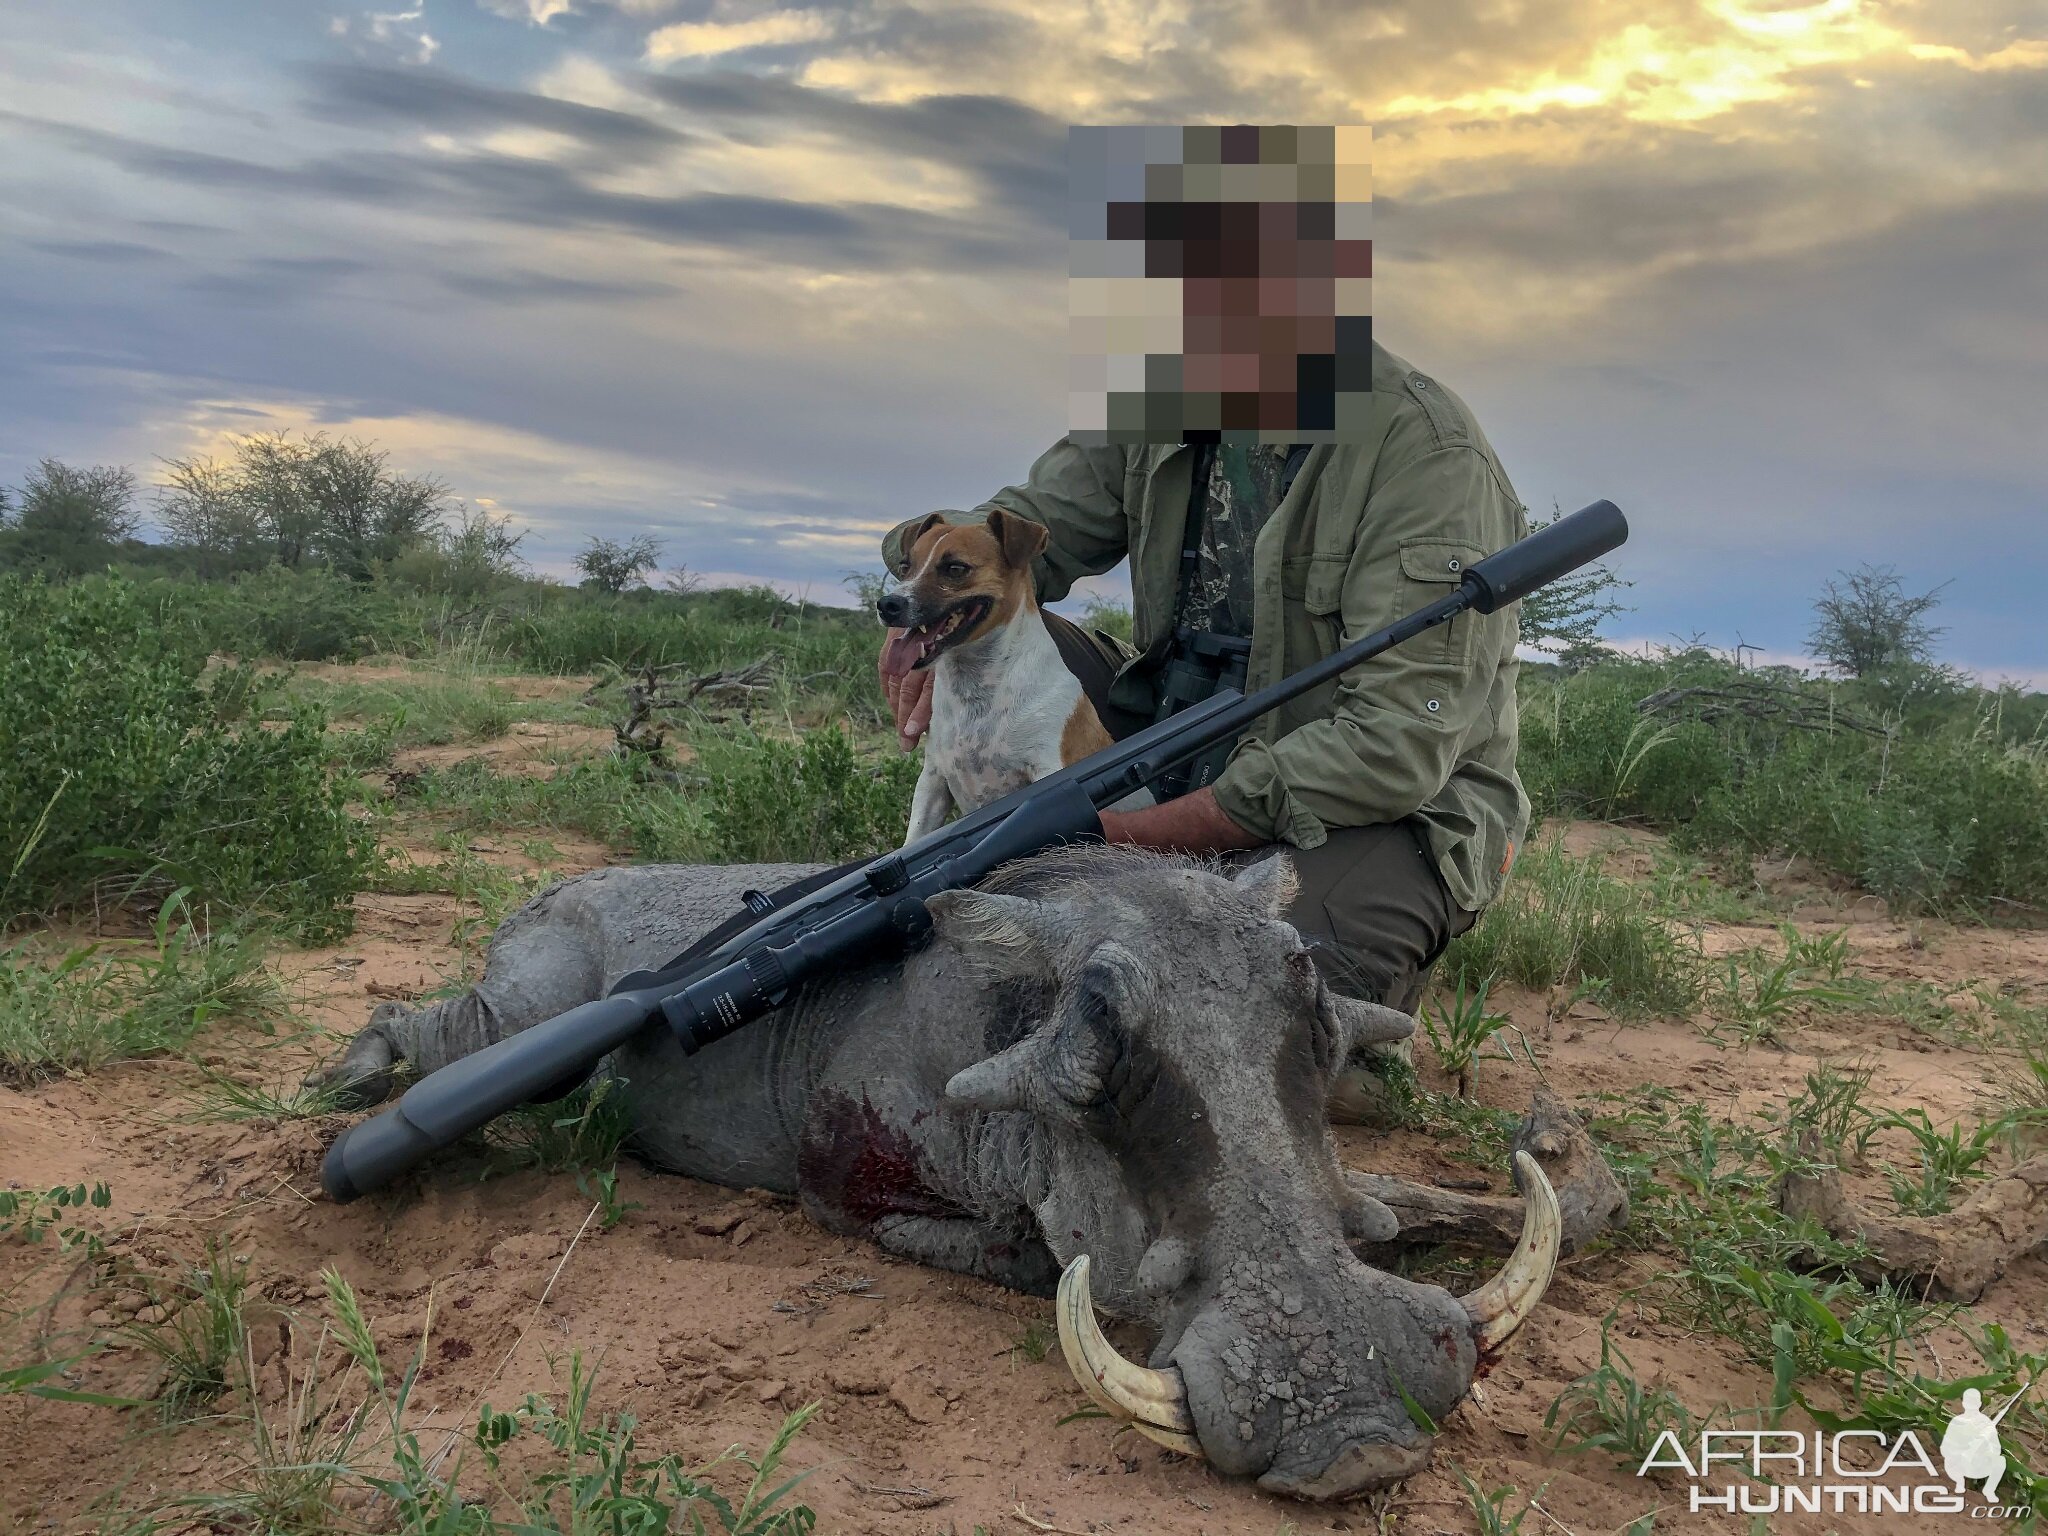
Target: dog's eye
(955, 568)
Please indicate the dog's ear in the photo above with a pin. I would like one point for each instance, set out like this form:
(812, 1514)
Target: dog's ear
(1022, 541)
(911, 531)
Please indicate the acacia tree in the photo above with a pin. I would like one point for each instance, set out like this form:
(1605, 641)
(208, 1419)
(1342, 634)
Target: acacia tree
(72, 519)
(1868, 623)
(364, 513)
(294, 500)
(1564, 618)
(203, 507)
(478, 552)
(611, 567)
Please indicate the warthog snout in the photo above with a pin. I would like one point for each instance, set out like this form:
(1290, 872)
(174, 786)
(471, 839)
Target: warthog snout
(1310, 1370)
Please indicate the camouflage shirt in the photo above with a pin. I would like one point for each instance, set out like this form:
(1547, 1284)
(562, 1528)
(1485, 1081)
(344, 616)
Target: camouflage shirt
(1245, 486)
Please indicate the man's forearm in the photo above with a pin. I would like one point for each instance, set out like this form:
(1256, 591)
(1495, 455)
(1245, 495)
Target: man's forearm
(1194, 823)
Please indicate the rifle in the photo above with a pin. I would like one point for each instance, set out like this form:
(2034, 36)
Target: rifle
(878, 909)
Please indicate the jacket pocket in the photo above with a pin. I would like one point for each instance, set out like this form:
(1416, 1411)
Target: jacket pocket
(1430, 567)
(1317, 584)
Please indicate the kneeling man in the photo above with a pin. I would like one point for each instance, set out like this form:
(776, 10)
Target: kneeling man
(1396, 786)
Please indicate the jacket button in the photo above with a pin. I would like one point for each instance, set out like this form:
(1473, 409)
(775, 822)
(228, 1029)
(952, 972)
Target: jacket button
(1454, 565)
(1433, 706)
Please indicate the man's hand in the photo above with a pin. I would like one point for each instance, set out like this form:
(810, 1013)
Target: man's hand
(909, 695)
(1194, 823)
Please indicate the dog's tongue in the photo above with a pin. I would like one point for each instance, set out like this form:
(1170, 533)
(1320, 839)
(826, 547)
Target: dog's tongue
(901, 652)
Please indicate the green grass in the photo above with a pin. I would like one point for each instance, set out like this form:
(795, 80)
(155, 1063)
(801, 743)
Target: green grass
(1458, 1028)
(1702, 1192)
(1761, 996)
(1934, 804)
(580, 1133)
(1949, 1158)
(2023, 1081)
(95, 1004)
(1689, 889)
(430, 709)
(1562, 920)
(199, 1343)
(1034, 1343)
(1611, 1411)
(305, 1465)
(222, 1099)
(746, 798)
(1490, 1510)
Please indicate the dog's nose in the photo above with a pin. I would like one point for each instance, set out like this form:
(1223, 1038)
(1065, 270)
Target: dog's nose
(894, 610)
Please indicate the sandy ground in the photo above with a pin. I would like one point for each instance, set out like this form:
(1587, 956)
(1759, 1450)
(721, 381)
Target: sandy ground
(715, 1312)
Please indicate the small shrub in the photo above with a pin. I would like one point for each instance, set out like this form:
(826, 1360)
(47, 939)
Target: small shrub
(1109, 615)
(808, 801)
(29, 1214)
(312, 614)
(133, 775)
(1923, 789)
(1913, 861)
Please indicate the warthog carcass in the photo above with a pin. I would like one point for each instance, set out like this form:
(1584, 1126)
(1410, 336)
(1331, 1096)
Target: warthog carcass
(1105, 1073)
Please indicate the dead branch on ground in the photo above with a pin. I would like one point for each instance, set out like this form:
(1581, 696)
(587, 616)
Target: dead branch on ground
(1953, 1256)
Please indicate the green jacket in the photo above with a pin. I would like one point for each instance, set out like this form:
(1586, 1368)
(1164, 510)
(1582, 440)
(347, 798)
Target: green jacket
(1368, 532)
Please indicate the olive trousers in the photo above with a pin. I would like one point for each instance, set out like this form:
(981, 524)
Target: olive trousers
(1371, 903)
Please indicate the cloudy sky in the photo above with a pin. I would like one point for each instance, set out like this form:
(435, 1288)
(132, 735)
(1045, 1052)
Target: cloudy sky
(761, 280)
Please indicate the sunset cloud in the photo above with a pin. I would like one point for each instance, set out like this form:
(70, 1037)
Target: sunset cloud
(767, 277)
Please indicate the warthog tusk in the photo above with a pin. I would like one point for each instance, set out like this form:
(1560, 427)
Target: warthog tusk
(1504, 1303)
(1155, 1403)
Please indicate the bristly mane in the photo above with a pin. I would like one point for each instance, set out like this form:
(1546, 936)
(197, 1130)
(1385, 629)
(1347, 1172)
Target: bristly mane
(1045, 874)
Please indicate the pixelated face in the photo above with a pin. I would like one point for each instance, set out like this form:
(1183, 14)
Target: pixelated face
(1221, 284)
(960, 583)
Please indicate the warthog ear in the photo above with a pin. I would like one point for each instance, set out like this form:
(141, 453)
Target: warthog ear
(1269, 884)
(1029, 928)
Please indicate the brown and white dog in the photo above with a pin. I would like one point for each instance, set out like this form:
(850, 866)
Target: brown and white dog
(1005, 709)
